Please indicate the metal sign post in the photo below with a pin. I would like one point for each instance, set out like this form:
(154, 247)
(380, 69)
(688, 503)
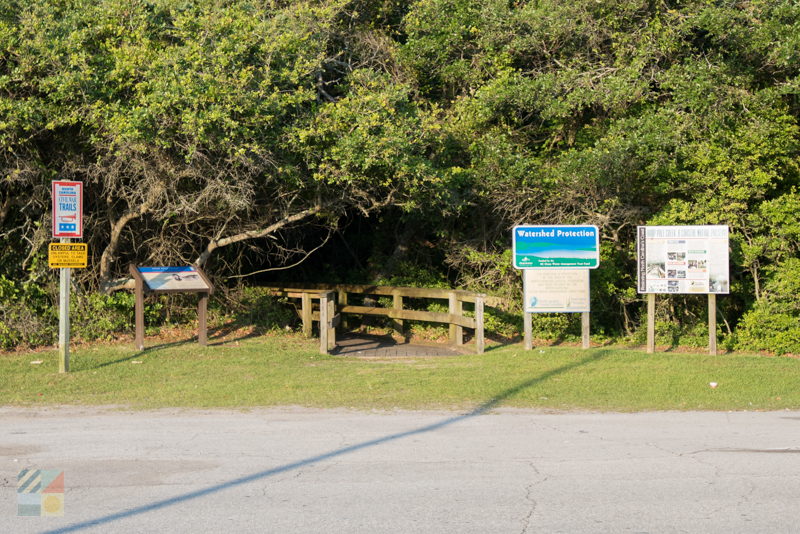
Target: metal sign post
(67, 223)
(63, 317)
(65, 256)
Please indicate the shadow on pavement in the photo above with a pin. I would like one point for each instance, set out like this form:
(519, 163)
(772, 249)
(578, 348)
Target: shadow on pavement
(178, 499)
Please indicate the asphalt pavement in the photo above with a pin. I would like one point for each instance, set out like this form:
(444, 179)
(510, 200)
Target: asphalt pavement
(500, 470)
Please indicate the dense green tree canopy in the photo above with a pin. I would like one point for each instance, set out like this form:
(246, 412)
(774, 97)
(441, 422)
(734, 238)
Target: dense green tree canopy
(244, 133)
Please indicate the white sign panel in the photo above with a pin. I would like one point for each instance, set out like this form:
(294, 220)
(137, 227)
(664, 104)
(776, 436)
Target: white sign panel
(682, 259)
(556, 290)
(173, 279)
(67, 209)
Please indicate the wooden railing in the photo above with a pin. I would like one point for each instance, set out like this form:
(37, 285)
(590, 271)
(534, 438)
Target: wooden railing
(329, 318)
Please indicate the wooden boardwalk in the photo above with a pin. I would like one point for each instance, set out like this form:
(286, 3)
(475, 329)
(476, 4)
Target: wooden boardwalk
(465, 311)
(368, 346)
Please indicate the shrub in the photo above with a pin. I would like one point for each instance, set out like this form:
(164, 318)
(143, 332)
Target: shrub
(773, 324)
(27, 316)
(257, 307)
(98, 316)
(554, 326)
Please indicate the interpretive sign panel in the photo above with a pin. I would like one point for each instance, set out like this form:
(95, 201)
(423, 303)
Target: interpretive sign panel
(682, 259)
(171, 280)
(174, 279)
(67, 255)
(556, 290)
(67, 209)
(556, 247)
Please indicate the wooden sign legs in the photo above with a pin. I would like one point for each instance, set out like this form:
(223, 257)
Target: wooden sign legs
(585, 330)
(139, 311)
(651, 323)
(171, 280)
(712, 323)
(202, 309)
(528, 320)
(202, 312)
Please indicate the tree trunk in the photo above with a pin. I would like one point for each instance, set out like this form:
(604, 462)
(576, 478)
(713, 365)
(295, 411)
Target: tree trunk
(110, 252)
(401, 250)
(214, 244)
(5, 208)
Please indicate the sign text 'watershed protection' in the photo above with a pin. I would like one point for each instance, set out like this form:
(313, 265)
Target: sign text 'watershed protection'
(556, 247)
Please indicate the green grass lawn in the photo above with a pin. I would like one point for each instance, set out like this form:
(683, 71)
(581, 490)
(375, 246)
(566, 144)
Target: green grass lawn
(287, 370)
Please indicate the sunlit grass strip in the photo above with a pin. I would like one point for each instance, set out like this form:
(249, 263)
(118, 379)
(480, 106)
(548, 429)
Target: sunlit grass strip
(271, 371)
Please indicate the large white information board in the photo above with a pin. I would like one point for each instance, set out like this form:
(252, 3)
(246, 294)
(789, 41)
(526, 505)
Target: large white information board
(556, 290)
(682, 259)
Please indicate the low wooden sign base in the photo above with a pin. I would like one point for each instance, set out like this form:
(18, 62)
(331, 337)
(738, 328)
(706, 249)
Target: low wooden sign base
(171, 280)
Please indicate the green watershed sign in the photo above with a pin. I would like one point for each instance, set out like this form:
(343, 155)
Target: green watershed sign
(557, 247)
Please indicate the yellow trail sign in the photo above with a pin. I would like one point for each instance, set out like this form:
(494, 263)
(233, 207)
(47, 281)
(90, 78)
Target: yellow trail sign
(67, 255)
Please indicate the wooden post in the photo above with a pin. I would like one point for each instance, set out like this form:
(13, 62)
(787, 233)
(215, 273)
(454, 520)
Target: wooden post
(323, 323)
(331, 304)
(479, 341)
(585, 330)
(327, 312)
(306, 314)
(397, 304)
(202, 330)
(202, 309)
(527, 319)
(460, 312)
(651, 323)
(451, 309)
(455, 306)
(342, 299)
(712, 324)
(139, 312)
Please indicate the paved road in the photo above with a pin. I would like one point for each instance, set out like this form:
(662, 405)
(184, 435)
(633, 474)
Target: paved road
(300, 470)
